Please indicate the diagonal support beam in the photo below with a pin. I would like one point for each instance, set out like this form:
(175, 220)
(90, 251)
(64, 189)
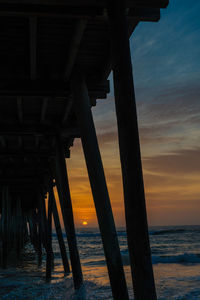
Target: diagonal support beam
(3, 142)
(20, 109)
(74, 47)
(99, 188)
(67, 109)
(43, 109)
(20, 142)
(33, 47)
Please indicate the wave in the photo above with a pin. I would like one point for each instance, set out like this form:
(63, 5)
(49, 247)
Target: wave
(168, 231)
(177, 259)
(185, 258)
(92, 234)
(122, 233)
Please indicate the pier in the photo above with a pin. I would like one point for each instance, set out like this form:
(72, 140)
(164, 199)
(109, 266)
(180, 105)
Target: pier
(55, 58)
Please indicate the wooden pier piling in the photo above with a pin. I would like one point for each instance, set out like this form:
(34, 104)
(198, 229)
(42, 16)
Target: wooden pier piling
(49, 237)
(135, 208)
(66, 207)
(99, 188)
(60, 236)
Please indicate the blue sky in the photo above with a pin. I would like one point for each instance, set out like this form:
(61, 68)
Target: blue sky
(166, 68)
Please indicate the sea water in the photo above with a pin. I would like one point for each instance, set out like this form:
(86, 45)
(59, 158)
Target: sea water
(175, 257)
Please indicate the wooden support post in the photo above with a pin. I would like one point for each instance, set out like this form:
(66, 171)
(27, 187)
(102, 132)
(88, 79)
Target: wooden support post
(18, 226)
(49, 238)
(4, 226)
(74, 47)
(39, 235)
(66, 207)
(33, 47)
(30, 229)
(135, 208)
(99, 188)
(60, 236)
(33, 220)
(20, 109)
(43, 109)
(43, 219)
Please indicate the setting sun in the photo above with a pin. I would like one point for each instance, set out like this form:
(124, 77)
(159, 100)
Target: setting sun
(85, 223)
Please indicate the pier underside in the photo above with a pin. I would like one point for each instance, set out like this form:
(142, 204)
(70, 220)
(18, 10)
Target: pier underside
(55, 59)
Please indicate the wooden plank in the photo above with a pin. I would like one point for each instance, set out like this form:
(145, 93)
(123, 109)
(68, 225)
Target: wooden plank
(83, 4)
(144, 14)
(20, 142)
(45, 88)
(41, 9)
(107, 65)
(3, 141)
(68, 108)
(35, 129)
(20, 109)
(74, 47)
(37, 141)
(43, 109)
(33, 47)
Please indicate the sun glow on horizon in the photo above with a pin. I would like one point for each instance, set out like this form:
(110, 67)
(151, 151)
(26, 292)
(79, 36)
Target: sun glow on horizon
(85, 223)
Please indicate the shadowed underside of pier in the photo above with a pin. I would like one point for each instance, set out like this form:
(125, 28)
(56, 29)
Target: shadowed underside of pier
(55, 58)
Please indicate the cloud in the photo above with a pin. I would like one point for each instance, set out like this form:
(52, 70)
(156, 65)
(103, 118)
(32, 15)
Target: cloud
(185, 162)
(165, 58)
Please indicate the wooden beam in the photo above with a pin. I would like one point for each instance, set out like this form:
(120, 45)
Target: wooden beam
(144, 14)
(37, 141)
(87, 4)
(107, 65)
(35, 129)
(29, 153)
(20, 109)
(45, 88)
(53, 10)
(74, 47)
(68, 108)
(30, 183)
(20, 142)
(3, 141)
(43, 109)
(33, 47)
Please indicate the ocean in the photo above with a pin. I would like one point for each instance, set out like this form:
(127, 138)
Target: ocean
(175, 256)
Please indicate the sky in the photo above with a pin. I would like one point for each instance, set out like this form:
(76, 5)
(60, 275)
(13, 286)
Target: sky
(166, 69)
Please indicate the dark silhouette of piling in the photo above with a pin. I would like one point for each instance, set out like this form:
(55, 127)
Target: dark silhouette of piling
(135, 208)
(49, 237)
(67, 213)
(99, 188)
(60, 236)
